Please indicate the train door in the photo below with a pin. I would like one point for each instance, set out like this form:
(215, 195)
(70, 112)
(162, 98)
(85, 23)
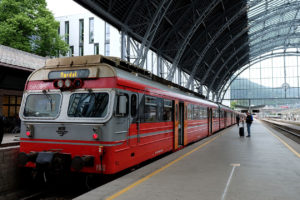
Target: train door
(178, 124)
(210, 119)
(185, 121)
(135, 120)
(181, 125)
(225, 119)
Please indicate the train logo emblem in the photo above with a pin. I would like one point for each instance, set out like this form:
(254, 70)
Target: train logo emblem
(61, 130)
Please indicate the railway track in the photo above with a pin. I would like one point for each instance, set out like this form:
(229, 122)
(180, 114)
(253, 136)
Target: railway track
(285, 129)
(10, 144)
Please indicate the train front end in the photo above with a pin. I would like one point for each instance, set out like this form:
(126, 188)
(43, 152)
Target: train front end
(65, 110)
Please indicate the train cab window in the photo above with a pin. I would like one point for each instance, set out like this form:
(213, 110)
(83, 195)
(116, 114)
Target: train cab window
(133, 108)
(42, 105)
(167, 116)
(122, 105)
(150, 110)
(88, 105)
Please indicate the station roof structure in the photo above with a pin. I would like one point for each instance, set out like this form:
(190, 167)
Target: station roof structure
(209, 39)
(15, 67)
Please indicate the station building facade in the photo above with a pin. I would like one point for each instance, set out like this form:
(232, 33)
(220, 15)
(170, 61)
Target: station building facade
(15, 67)
(87, 34)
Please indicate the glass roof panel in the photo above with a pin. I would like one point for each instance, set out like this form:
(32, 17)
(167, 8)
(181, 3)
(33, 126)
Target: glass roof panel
(263, 18)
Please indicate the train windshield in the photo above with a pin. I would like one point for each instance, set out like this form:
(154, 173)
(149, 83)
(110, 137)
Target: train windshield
(88, 105)
(42, 105)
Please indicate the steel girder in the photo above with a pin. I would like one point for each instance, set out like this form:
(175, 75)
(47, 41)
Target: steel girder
(223, 81)
(255, 34)
(194, 35)
(203, 53)
(151, 31)
(254, 61)
(256, 45)
(189, 36)
(259, 52)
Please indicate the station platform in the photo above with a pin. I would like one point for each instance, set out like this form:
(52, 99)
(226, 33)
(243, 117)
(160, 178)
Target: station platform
(223, 166)
(10, 139)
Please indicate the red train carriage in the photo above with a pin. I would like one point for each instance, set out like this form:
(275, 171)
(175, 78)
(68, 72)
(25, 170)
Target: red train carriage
(93, 114)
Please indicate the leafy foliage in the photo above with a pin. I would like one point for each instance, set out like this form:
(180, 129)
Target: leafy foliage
(29, 26)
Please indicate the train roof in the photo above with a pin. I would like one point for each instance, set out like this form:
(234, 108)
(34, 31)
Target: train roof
(94, 61)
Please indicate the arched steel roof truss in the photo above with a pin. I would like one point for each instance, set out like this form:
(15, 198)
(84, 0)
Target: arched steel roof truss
(209, 39)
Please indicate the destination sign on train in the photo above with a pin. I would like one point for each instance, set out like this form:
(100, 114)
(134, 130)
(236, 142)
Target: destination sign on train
(80, 73)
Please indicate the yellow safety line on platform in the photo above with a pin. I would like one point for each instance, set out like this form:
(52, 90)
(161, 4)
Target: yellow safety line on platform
(161, 169)
(283, 142)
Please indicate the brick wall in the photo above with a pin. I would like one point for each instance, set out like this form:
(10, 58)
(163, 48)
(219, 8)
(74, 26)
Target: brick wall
(8, 171)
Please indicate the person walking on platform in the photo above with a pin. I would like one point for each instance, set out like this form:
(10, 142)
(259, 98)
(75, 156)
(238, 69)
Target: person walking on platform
(249, 120)
(238, 120)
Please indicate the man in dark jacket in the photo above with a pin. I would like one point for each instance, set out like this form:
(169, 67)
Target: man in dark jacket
(249, 120)
(237, 120)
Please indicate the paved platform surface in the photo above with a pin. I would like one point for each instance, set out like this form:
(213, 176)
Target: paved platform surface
(222, 167)
(11, 138)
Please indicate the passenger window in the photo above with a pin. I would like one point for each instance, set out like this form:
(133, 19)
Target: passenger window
(150, 109)
(205, 113)
(159, 109)
(196, 112)
(167, 116)
(133, 105)
(190, 111)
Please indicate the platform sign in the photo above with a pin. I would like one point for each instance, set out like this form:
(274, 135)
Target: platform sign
(80, 73)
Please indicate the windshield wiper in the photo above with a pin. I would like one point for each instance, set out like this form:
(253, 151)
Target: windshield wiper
(49, 98)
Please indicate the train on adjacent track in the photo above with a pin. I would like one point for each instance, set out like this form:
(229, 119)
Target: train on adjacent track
(101, 115)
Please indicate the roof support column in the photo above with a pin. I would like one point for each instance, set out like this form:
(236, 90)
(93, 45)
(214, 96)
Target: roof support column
(159, 66)
(200, 89)
(213, 96)
(125, 46)
(151, 32)
(179, 76)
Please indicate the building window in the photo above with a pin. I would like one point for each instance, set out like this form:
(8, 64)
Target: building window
(81, 31)
(107, 39)
(67, 30)
(71, 51)
(81, 51)
(96, 48)
(11, 106)
(91, 31)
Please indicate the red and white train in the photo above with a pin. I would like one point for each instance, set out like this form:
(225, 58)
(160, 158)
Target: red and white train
(101, 115)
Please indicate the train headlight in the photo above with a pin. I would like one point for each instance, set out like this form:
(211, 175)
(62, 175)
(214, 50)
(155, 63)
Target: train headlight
(60, 83)
(68, 83)
(78, 83)
(28, 133)
(95, 136)
(29, 130)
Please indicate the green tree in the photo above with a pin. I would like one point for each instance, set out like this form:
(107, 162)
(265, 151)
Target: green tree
(233, 104)
(29, 26)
